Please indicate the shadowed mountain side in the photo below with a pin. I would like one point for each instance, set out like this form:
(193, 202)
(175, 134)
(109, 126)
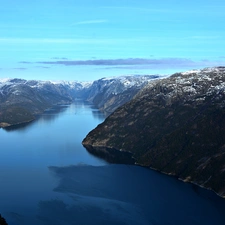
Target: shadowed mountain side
(21, 100)
(175, 125)
(107, 94)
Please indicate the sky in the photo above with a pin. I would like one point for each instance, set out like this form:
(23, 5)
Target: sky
(86, 40)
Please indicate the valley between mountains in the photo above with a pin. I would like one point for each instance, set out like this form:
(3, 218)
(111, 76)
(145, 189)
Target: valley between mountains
(22, 100)
(174, 124)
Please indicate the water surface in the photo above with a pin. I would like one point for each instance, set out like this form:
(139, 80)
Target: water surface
(47, 177)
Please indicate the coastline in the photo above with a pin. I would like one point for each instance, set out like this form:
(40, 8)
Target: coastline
(111, 155)
(34, 116)
(4, 125)
(186, 181)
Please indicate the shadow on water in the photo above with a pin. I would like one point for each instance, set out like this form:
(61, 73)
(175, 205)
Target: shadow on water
(87, 194)
(84, 211)
(116, 194)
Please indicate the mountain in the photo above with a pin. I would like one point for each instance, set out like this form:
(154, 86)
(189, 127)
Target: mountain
(107, 94)
(175, 125)
(22, 100)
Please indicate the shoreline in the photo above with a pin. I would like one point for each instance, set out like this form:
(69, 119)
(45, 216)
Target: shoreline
(5, 125)
(186, 181)
(101, 151)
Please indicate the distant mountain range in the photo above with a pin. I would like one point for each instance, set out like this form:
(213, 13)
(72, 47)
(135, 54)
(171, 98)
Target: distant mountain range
(22, 100)
(175, 125)
(110, 93)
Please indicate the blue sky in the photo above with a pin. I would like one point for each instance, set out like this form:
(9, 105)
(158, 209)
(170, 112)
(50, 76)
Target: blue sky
(91, 39)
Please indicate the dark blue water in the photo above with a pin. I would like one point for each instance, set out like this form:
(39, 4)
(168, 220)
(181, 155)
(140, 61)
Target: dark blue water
(48, 178)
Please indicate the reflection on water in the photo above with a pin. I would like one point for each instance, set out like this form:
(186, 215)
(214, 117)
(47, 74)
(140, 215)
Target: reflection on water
(53, 113)
(27, 151)
(20, 127)
(48, 178)
(98, 115)
(48, 115)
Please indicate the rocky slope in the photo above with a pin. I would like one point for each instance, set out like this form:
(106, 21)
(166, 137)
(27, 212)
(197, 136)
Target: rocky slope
(21, 100)
(175, 125)
(109, 93)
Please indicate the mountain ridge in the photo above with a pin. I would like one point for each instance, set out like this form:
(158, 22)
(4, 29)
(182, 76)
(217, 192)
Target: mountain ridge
(175, 125)
(22, 100)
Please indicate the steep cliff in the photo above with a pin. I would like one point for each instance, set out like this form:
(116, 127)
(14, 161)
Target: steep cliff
(110, 93)
(175, 125)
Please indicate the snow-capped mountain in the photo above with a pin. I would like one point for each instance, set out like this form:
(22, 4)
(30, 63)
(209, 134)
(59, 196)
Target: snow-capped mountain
(21, 100)
(110, 93)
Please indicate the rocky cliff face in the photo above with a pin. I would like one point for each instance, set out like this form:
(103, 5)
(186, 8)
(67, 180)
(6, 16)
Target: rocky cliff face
(110, 93)
(175, 125)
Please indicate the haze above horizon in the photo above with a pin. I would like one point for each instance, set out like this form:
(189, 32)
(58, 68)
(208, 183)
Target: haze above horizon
(88, 40)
